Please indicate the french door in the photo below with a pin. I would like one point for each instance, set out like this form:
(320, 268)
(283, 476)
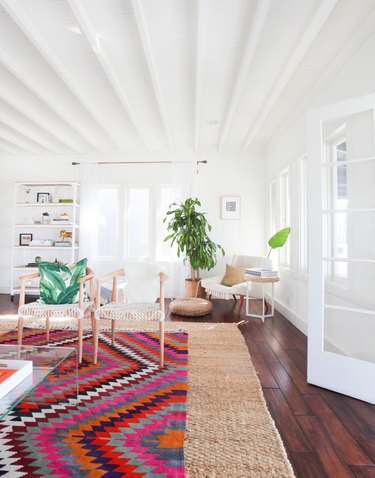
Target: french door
(341, 185)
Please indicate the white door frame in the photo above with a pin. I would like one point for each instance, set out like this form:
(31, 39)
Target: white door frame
(336, 372)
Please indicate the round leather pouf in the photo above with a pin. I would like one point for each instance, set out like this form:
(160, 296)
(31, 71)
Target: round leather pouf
(190, 307)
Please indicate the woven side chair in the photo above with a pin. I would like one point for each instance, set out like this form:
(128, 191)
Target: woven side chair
(45, 312)
(134, 311)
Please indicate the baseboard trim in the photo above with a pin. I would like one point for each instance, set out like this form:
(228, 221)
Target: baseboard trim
(291, 316)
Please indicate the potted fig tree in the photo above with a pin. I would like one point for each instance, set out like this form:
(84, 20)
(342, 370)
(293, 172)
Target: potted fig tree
(188, 229)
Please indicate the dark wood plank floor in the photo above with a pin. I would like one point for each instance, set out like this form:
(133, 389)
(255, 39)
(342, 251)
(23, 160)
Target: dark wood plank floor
(326, 435)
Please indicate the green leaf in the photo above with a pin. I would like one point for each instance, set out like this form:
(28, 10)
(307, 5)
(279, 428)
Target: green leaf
(57, 281)
(280, 238)
(70, 296)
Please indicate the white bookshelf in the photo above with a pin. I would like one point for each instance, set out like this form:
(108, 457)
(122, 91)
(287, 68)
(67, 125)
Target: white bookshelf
(27, 220)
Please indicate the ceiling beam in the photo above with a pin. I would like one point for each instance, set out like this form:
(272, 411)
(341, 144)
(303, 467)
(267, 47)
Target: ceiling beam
(42, 45)
(30, 133)
(347, 51)
(9, 147)
(251, 45)
(318, 20)
(41, 120)
(107, 66)
(201, 53)
(14, 137)
(150, 59)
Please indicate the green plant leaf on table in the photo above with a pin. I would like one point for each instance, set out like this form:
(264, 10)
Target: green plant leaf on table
(278, 239)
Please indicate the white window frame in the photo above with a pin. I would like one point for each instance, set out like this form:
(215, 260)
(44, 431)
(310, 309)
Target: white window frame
(273, 207)
(285, 213)
(331, 186)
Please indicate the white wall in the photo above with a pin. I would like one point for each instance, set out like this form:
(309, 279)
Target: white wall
(357, 78)
(223, 175)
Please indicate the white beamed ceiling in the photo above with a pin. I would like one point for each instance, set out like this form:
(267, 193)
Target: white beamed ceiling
(137, 77)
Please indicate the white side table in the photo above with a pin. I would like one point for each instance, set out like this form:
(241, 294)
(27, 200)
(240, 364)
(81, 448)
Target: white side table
(263, 281)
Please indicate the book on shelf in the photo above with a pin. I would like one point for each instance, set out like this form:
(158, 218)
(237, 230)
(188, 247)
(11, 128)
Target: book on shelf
(63, 244)
(42, 243)
(259, 272)
(12, 373)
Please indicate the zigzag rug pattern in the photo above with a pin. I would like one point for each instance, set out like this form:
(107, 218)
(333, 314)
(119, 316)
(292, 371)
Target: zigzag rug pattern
(130, 420)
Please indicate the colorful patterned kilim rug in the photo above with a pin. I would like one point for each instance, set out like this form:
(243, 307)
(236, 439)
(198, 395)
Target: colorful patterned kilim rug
(130, 420)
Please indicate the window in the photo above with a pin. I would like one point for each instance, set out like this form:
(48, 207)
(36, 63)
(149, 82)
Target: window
(139, 232)
(285, 214)
(137, 223)
(303, 227)
(108, 222)
(273, 208)
(337, 202)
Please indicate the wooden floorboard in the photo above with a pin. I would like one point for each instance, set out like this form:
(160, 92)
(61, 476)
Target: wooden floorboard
(326, 435)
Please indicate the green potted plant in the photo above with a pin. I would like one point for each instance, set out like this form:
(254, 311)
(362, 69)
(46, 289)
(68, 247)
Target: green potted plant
(188, 228)
(277, 240)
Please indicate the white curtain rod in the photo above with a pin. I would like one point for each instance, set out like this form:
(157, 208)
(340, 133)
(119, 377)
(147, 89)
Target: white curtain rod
(203, 161)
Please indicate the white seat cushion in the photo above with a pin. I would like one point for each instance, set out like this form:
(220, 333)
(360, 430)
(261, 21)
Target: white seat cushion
(136, 312)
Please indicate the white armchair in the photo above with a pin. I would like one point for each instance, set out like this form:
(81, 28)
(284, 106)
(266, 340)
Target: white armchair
(215, 289)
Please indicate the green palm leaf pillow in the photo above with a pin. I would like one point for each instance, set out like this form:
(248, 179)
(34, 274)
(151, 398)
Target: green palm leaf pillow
(59, 283)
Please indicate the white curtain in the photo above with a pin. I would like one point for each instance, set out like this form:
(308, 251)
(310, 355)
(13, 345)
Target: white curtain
(88, 237)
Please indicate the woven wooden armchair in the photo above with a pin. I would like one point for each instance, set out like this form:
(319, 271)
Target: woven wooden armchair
(77, 311)
(133, 311)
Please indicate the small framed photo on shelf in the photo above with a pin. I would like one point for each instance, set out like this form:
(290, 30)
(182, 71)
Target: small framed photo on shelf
(43, 197)
(230, 207)
(25, 238)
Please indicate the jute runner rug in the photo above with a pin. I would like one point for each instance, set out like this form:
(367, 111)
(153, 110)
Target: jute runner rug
(230, 432)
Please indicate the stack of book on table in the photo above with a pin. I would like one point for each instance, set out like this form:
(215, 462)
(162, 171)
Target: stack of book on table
(258, 272)
(12, 373)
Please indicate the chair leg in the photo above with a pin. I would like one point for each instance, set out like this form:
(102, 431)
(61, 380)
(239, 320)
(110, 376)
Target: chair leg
(20, 330)
(80, 337)
(95, 331)
(113, 327)
(92, 316)
(209, 297)
(242, 297)
(235, 298)
(47, 329)
(161, 339)
(95, 339)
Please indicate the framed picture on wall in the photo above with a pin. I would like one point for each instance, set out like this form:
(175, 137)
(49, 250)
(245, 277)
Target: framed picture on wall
(230, 207)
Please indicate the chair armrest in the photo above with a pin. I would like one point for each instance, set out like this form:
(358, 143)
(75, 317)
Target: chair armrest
(28, 277)
(163, 277)
(23, 280)
(104, 278)
(89, 277)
